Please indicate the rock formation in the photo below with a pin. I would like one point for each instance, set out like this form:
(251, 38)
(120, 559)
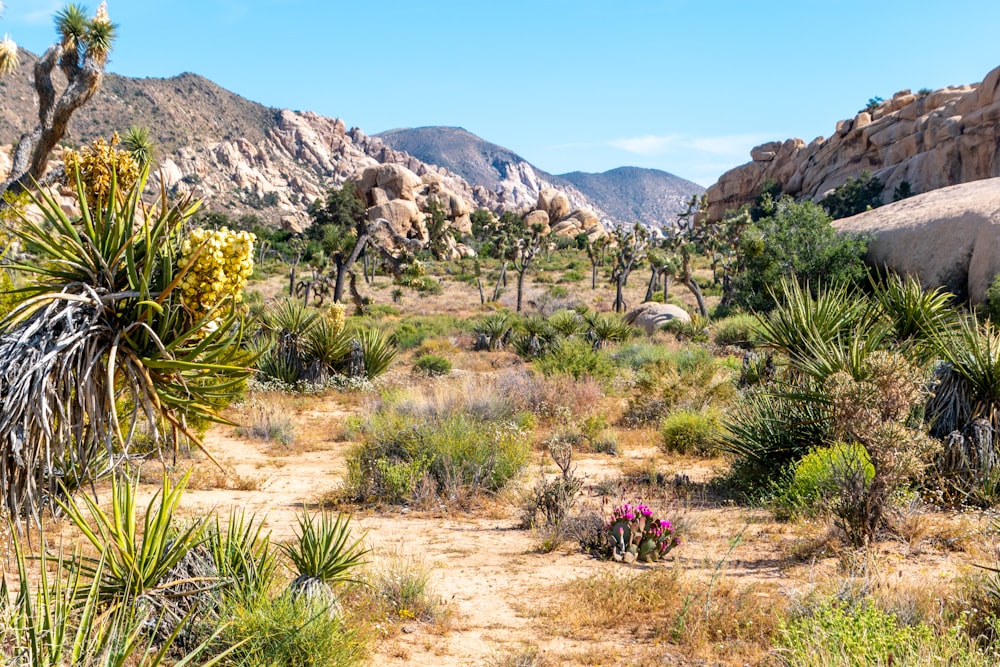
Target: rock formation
(948, 238)
(554, 208)
(930, 141)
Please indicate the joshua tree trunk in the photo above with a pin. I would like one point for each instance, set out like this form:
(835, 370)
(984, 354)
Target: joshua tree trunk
(31, 154)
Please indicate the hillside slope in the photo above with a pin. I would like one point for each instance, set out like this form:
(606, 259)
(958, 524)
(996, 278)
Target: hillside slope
(636, 194)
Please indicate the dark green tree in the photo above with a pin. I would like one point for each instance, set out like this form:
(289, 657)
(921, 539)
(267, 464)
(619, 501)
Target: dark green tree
(856, 195)
(796, 240)
(340, 226)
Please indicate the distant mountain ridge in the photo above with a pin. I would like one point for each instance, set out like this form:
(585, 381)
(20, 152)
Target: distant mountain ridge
(625, 194)
(635, 194)
(242, 157)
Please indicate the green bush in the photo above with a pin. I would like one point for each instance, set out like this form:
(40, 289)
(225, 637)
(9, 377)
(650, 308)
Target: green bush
(741, 329)
(578, 359)
(837, 635)
(408, 455)
(817, 477)
(992, 306)
(856, 195)
(796, 239)
(432, 364)
(416, 329)
(690, 432)
(290, 631)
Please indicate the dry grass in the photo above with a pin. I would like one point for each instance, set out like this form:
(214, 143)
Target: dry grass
(702, 619)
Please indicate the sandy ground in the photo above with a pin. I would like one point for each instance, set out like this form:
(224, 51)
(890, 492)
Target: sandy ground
(488, 573)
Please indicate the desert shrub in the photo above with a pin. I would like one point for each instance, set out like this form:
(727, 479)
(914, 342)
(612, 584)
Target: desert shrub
(638, 356)
(414, 330)
(690, 378)
(289, 631)
(578, 359)
(400, 585)
(404, 458)
(715, 618)
(767, 433)
(817, 478)
(856, 195)
(690, 432)
(741, 329)
(571, 276)
(266, 422)
(549, 396)
(432, 364)
(832, 635)
(694, 330)
(992, 306)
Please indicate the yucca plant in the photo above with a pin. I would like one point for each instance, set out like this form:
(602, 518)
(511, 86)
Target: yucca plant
(102, 325)
(800, 322)
(63, 622)
(378, 351)
(969, 386)
(567, 323)
(323, 555)
(915, 314)
(241, 551)
(136, 559)
(536, 337)
(496, 329)
(139, 144)
(606, 328)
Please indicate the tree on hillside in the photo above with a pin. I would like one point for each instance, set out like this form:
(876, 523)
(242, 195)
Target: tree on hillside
(340, 226)
(80, 56)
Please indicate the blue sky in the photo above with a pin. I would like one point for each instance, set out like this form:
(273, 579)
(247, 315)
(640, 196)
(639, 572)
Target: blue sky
(686, 86)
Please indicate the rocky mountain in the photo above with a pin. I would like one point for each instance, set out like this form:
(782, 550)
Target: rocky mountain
(515, 181)
(625, 195)
(633, 193)
(238, 156)
(929, 140)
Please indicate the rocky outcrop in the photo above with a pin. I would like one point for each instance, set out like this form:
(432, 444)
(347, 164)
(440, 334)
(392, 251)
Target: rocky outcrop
(651, 315)
(930, 141)
(397, 195)
(948, 238)
(554, 208)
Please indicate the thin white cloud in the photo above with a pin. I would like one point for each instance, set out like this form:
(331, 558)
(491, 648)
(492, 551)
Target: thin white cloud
(725, 144)
(649, 144)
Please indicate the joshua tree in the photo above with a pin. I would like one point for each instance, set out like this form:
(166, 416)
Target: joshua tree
(341, 227)
(631, 245)
(525, 251)
(80, 55)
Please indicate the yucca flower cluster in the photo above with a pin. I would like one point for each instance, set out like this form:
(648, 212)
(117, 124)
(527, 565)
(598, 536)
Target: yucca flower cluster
(223, 261)
(95, 165)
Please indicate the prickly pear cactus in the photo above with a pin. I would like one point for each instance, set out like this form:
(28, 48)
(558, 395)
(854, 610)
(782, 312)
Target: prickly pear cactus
(635, 535)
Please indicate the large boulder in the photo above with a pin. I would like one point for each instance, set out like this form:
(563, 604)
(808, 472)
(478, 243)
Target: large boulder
(946, 238)
(404, 216)
(650, 316)
(554, 202)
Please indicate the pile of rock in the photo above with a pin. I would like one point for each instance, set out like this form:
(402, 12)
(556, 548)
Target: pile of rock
(928, 140)
(394, 193)
(553, 213)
